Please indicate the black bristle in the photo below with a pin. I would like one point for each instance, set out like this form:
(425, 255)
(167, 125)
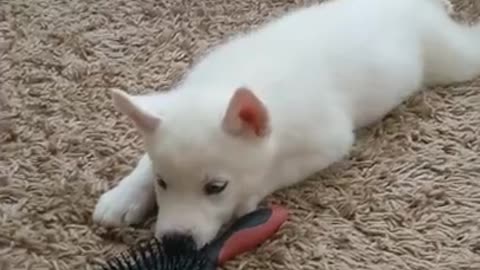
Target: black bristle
(175, 252)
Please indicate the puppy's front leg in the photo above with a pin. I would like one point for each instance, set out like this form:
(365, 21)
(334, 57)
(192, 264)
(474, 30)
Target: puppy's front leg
(130, 201)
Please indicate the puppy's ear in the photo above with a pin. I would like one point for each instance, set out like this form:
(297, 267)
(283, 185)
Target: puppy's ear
(246, 115)
(145, 121)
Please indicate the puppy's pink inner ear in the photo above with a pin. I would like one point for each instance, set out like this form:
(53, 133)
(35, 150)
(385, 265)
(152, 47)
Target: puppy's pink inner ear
(254, 118)
(246, 113)
(143, 120)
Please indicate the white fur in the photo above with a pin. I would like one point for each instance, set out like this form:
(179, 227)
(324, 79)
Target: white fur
(321, 73)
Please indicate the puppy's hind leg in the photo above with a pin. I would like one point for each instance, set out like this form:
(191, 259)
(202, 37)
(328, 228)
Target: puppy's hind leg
(451, 50)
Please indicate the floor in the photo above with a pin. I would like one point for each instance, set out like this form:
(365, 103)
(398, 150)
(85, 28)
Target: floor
(408, 197)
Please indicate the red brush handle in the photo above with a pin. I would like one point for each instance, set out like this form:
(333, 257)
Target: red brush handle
(247, 233)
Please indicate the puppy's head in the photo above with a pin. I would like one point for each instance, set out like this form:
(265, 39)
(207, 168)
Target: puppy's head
(209, 155)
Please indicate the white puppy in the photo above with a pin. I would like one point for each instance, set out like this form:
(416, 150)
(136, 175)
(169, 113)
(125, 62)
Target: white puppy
(267, 109)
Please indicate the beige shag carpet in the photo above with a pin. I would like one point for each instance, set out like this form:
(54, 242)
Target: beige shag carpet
(407, 198)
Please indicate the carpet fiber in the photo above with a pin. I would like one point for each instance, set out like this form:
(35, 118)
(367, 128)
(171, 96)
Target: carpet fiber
(407, 198)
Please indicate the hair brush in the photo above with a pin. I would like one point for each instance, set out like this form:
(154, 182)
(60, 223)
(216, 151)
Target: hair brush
(179, 252)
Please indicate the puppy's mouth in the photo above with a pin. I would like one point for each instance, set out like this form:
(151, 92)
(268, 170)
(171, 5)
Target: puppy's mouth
(226, 226)
(233, 218)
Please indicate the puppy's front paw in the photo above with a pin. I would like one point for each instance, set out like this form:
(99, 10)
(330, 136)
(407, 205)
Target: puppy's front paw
(123, 206)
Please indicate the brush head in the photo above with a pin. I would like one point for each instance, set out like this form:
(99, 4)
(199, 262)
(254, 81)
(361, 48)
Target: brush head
(174, 252)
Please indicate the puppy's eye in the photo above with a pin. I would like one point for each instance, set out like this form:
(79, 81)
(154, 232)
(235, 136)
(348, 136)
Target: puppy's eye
(215, 187)
(161, 183)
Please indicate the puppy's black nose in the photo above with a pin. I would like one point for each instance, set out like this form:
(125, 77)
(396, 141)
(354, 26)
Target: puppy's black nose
(179, 238)
(177, 234)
